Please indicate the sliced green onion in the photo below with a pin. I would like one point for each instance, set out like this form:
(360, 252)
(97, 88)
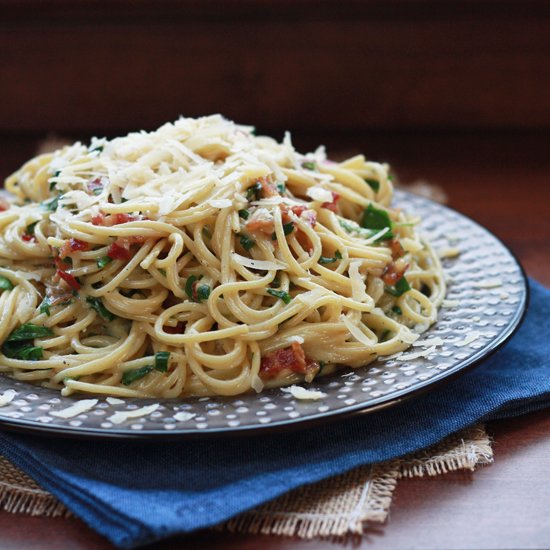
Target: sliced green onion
(399, 288)
(161, 361)
(288, 228)
(131, 376)
(103, 261)
(5, 283)
(97, 304)
(284, 296)
(203, 292)
(52, 204)
(374, 184)
(246, 242)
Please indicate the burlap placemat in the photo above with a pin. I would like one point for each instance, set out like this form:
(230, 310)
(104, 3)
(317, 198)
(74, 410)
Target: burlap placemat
(343, 504)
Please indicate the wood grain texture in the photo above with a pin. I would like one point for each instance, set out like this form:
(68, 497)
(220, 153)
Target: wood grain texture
(76, 66)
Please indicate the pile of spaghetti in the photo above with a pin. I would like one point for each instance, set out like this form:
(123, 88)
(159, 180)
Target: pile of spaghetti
(202, 259)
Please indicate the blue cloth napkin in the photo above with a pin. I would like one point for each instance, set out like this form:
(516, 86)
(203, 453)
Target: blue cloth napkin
(136, 493)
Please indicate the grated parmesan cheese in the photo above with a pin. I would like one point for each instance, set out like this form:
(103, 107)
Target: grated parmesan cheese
(121, 416)
(77, 408)
(183, 416)
(451, 252)
(301, 393)
(430, 342)
(488, 283)
(7, 397)
(415, 354)
(472, 337)
(319, 194)
(115, 401)
(221, 203)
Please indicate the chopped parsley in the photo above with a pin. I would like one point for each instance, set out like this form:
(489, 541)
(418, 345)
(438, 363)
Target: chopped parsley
(45, 306)
(284, 296)
(97, 304)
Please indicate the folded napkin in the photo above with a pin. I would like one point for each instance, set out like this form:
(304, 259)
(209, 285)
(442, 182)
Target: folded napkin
(135, 493)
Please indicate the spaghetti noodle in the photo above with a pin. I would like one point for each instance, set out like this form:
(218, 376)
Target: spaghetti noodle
(201, 259)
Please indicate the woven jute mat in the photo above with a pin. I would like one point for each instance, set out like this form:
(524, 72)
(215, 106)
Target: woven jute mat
(347, 503)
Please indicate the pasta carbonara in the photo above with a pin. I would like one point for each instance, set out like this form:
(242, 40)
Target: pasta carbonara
(202, 259)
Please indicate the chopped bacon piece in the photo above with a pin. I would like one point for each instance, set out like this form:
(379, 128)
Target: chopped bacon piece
(118, 252)
(263, 226)
(69, 279)
(98, 219)
(292, 359)
(4, 204)
(117, 219)
(396, 249)
(73, 245)
(178, 329)
(332, 205)
(269, 188)
(28, 237)
(394, 272)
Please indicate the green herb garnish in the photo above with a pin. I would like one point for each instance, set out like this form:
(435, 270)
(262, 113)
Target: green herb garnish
(374, 184)
(244, 214)
(97, 304)
(19, 345)
(397, 309)
(288, 228)
(30, 228)
(162, 272)
(161, 361)
(399, 288)
(308, 165)
(281, 187)
(5, 283)
(28, 331)
(203, 292)
(284, 296)
(52, 204)
(45, 306)
(375, 218)
(131, 376)
(246, 242)
(103, 261)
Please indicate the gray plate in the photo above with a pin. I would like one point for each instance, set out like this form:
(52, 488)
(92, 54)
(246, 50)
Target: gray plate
(493, 312)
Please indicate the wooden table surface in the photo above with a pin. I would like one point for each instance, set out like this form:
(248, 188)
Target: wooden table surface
(502, 181)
